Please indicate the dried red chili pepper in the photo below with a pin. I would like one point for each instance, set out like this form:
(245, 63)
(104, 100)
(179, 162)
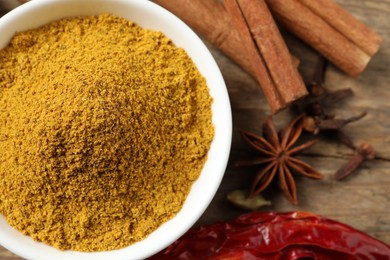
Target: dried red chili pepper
(271, 235)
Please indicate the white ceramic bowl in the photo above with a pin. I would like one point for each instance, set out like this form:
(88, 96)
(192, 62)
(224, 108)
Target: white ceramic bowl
(151, 16)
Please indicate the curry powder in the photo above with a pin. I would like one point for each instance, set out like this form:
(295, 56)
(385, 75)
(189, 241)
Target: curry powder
(104, 126)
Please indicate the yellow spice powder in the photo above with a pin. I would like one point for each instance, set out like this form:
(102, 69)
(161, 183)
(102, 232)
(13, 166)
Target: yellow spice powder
(104, 126)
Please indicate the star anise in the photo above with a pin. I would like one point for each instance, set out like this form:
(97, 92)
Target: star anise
(277, 151)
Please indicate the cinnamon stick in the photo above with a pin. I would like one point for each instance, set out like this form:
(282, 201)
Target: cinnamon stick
(267, 51)
(331, 30)
(357, 32)
(211, 20)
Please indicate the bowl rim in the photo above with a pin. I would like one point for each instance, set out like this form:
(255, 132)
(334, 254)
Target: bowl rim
(219, 149)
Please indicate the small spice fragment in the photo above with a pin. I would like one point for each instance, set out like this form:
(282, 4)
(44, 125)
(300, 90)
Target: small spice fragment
(277, 153)
(241, 199)
(317, 124)
(317, 119)
(363, 152)
(320, 99)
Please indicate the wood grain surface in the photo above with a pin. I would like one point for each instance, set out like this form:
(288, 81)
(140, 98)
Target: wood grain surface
(363, 199)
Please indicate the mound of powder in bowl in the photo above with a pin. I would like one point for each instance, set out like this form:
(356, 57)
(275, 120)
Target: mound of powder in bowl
(104, 126)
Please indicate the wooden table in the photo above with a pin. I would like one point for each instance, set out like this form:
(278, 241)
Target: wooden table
(363, 199)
